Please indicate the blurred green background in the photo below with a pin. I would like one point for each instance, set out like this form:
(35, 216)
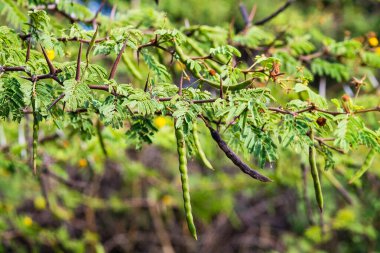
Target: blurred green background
(132, 201)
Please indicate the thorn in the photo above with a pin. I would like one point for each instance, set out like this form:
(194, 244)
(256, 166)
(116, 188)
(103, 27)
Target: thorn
(146, 83)
(77, 73)
(117, 60)
(50, 65)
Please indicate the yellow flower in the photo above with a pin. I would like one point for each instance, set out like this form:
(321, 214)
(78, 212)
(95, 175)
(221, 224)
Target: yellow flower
(160, 122)
(167, 200)
(50, 54)
(27, 221)
(82, 163)
(373, 41)
(377, 50)
(39, 203)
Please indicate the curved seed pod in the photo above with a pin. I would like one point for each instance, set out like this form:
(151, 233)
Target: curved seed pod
(201, 154)
(35, 136)
(314, 173)
(367, 164)
(181, 148)
(131, 67)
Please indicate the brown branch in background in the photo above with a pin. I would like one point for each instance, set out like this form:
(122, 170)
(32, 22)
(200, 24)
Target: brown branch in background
(244, 14)
(117, 60)
(48, 138)
(247, 18)
(233, 157)
(113, 12)
(338, 186)
(79, 186)
(309, 57)
(76, 39)
(274, 14)
(54, 7)
(161, 232)
(44, 190)
(201, 101)
(98, 11)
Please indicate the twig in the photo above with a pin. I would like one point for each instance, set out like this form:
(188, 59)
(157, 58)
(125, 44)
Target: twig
(244, 14)
(71, 184)
(160, 229)
(44, 191)
(56, 101)
(233, 157)
(274, 14)
(338, 186)
(322, 142)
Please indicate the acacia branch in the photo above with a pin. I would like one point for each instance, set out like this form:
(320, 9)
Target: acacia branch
(54, 8)
(233, 157)
(274, 14)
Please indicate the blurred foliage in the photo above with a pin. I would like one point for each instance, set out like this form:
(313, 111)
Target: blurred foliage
(130, 201)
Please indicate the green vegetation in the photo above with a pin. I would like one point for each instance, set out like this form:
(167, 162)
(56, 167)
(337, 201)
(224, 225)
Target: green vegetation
(100, 108)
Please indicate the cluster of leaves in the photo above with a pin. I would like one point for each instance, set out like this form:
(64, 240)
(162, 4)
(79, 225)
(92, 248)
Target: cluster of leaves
(260, 102)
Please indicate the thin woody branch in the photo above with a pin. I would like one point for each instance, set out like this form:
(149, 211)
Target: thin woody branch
(233, 157)
(54, 8)
(275, 14)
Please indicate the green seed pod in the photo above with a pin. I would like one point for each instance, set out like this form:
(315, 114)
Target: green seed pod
(198, 145)
(314, 173)
(367, 164)
(131, 67)
(181, 148)
(35, 136)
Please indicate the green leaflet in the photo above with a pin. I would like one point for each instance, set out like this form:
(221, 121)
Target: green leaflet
(11, 99)
(76, 94)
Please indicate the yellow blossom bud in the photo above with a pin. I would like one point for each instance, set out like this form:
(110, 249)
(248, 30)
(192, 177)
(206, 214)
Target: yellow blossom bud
(160, 122)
